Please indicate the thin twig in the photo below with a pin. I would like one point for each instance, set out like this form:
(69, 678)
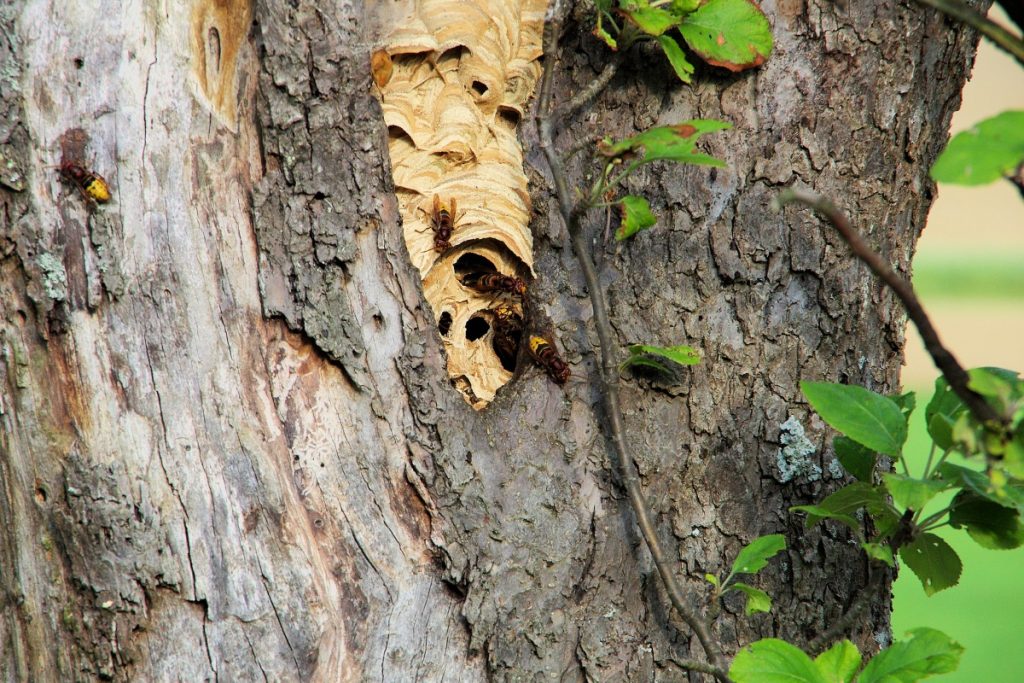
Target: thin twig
(1002, 38)
(1015, 10)
(934, 517)
(944, 360)
(585, 96)
(608, 375)
(1017, 180)
(694, 665)
(928, 465)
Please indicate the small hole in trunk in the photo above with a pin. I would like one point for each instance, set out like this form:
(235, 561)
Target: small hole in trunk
(476, 328)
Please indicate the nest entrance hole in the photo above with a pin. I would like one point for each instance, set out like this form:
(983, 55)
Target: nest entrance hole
(471, 262)
(444, 325)
(476, 327)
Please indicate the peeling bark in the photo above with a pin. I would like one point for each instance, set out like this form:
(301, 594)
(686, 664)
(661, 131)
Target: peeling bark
(229, 446)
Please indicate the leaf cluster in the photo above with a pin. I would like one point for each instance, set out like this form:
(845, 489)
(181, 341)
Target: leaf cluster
(752, 559)
(987, 502)
(734, 34)
(925, 652)
(676, 143)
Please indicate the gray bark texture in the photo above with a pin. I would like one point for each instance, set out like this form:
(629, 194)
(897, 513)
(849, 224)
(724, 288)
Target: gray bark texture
(229, 450)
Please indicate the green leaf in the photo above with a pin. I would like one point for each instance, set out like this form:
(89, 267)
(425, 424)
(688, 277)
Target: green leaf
(677, 58)
(979, 483)
(934, 562)
(609, 40)
(604, 9)
(853, 497)
(839, 663)
(645, 362)
(908, 492)
(734, 34)
(757, 599)
(668, 143)
(942, 412)
(755, 556)
(926, 653)
(966, 434)
(842, 505)
(907, 402)
(771, 660)
(683, 7)
(992, 382)
(636, 216)
(683, 355)
(712, 579)
(855, 459)
(868, 418)
(816, 513)
(991, 525)
(967, 478)
(879, 551)
(988, 151)
(1001, 388)
(651, 20)
(1013, 457)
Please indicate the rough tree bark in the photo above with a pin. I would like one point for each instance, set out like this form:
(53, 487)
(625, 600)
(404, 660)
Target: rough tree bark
(229, 450)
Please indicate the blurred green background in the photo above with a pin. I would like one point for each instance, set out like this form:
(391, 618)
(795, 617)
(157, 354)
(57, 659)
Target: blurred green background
(969, 271)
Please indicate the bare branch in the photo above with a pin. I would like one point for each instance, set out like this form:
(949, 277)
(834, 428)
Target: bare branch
(1015, 10)
(1002, 38)
(944, 360)
(693, 665)
(1017, 180)
(585, 96)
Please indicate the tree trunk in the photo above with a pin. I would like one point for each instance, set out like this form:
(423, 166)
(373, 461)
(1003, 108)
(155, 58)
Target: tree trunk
(230, 449)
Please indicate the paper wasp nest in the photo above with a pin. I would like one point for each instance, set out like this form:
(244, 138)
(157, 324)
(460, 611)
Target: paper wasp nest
(455, 81)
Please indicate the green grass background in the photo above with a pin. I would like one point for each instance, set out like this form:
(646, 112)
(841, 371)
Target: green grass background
(985, 612)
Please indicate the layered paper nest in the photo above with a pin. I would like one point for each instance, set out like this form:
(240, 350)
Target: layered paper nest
(455, 77)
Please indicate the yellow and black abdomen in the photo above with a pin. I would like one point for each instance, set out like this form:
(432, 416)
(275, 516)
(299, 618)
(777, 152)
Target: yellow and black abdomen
(92, 185)
(96, 188)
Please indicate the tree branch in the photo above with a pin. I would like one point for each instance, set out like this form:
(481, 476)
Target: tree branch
(1002, 38)
(1015, 10)
(944, 360)
(694, 665)
(572, 215)
(1017, 180)
(585, 96)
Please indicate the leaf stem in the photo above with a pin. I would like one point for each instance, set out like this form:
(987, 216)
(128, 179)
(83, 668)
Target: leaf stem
(942, 458)
(943, 359)
(931, 519)
(928, 464)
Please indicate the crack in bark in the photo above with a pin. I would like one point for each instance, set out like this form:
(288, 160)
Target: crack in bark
(277, 615)
(255, 658)
(206, 639)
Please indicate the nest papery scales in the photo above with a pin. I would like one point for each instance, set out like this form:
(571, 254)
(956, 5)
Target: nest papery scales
(462, 73)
